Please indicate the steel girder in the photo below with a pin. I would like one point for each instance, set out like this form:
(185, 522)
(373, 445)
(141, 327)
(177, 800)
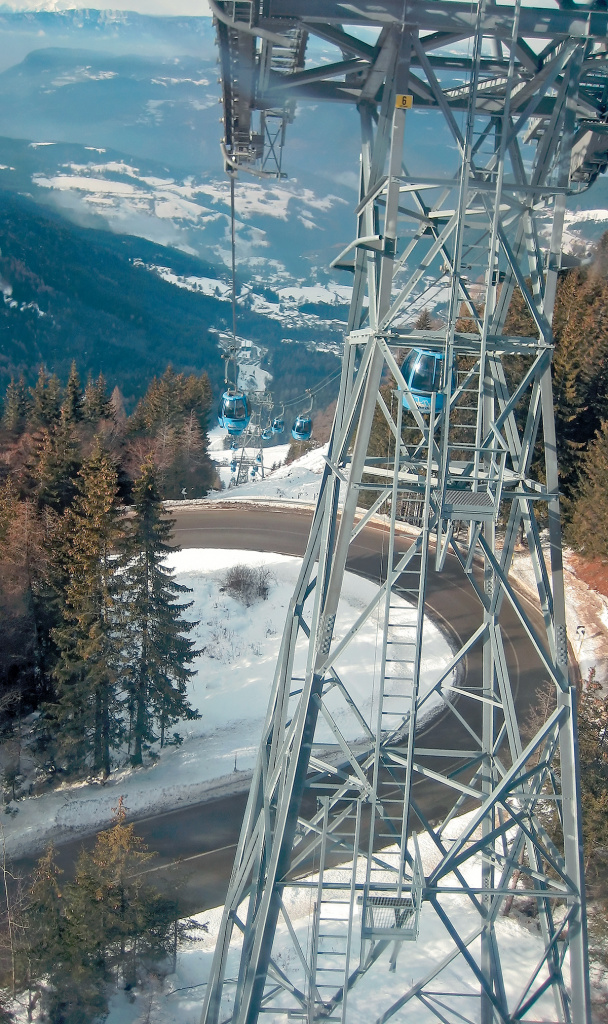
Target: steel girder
(263, 56)
(336, 784)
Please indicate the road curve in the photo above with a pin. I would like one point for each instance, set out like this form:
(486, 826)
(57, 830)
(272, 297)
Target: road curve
(195, 844)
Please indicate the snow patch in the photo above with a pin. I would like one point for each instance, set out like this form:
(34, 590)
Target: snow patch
(239, 648)
(181, 997)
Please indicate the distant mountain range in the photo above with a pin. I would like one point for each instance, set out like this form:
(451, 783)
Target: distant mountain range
(158, 117)
(110, 123)
(110, 31)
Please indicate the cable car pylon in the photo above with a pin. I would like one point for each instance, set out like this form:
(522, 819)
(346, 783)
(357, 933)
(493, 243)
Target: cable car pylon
(489, 792)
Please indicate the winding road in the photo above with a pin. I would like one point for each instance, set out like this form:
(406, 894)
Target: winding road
(195, 844)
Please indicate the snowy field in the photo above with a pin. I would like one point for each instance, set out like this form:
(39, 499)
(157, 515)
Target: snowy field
(299, 481)
(274, 457)
(586, 614)
(585, 607)
(179, 999)
(234, 671)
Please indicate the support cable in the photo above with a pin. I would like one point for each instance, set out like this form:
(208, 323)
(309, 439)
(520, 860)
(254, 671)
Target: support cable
(233, 258)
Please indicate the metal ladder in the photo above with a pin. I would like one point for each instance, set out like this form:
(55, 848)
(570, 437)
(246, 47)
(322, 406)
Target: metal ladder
(332, 930)
(390, 869)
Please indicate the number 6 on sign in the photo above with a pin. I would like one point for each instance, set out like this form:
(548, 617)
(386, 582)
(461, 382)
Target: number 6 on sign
(404, 101)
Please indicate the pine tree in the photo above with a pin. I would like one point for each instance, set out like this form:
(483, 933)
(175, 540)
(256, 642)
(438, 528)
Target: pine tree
(101, 398)
(588, 527)
(26, 540)
(117, 404)
(105, 926)
(159, 650)
(65, 964)
(424, 321)
(96, 404)
(87, 715)
(15, 406)
(45, 914)
(126, 920)
(55, 463)
(73, 397)
(575, 302)
(46, 400)
(170, 399)
(594, 372)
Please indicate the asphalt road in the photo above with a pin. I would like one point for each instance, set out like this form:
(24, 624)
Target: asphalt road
(195, 845)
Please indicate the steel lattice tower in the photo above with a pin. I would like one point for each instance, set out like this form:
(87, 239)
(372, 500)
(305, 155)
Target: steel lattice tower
(519, 95)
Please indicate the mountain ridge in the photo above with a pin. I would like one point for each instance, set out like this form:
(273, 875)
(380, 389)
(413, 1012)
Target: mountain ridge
(79, 293)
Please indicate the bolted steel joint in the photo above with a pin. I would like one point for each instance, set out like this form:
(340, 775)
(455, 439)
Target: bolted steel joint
(326, 630)
(561, 645)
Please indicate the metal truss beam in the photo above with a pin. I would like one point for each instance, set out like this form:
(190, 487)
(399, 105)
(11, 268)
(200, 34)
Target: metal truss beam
(460, 768)
(263, 57)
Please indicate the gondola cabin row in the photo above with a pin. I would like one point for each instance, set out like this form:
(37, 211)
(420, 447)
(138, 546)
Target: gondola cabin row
(233, 413)
(423, 374)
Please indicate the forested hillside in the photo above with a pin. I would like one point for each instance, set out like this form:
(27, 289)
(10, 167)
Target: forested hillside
(94, 637)
(580, 389)
(80, 294)
(75, 294)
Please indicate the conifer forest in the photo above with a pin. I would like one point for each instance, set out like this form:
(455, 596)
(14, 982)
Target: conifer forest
(95, 657)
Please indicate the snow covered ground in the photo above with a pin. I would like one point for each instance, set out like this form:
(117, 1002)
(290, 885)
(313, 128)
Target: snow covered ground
(274, 457)
(300, 481)
(239, 647)
(234, 670)
(586, 615)
(180, 999)
(586, 609)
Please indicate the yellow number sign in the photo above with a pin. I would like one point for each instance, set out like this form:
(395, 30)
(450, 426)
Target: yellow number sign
(404, 101)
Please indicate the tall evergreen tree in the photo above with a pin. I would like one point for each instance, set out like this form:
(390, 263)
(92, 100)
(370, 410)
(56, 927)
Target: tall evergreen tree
(174, 411)
(45, 913)
(87, 715)
(125, 919)
(15, 406)
(117, 404)
(96, 404)
(55, 463)
(26, 540)
(424, 321)
(170, 399)
(588, 526)
(73, 397)
(46, 400)
(159, 652)
(104, 926)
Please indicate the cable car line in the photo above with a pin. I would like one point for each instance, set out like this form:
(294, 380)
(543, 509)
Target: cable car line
(233, 255)
(234, 411)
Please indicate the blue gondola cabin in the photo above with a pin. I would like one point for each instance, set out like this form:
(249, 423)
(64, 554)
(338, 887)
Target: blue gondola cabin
(233, 412)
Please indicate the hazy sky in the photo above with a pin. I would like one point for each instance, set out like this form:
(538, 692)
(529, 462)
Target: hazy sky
(174, 7)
